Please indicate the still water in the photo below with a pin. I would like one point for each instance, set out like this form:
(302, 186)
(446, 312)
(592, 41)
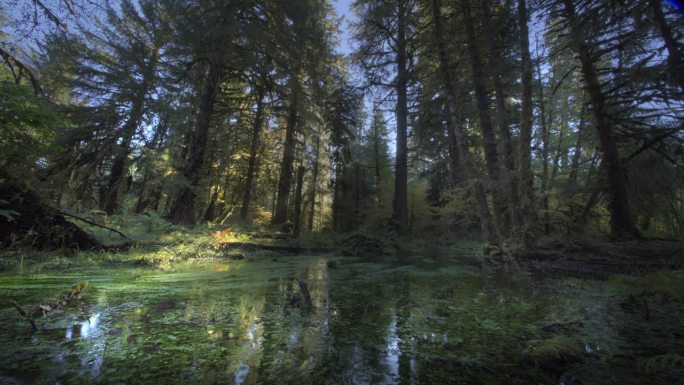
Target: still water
(243, 322)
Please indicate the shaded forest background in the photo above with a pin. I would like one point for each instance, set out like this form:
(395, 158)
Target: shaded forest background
(487, 119)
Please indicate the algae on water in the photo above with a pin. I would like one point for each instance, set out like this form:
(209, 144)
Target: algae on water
(380, 322)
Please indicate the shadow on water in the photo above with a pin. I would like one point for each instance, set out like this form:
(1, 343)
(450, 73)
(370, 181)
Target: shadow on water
(380, 322)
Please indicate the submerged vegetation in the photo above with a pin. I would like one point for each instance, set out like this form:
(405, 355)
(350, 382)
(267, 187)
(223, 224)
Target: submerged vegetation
(183, 307)
(262, 192)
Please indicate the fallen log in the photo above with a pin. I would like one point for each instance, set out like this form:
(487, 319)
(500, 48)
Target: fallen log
(67, 298)
(281, 248)
(26, 219)
(279, 236)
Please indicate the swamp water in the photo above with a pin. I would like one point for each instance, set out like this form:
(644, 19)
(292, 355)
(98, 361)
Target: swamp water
(379, 322)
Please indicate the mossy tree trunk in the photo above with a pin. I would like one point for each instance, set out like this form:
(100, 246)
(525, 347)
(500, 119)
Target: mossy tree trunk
(286, 167)
(183, 208)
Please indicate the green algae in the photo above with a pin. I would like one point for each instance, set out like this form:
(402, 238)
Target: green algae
(380, 321)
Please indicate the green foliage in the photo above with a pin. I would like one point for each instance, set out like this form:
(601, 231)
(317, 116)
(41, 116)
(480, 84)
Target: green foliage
(29, 125)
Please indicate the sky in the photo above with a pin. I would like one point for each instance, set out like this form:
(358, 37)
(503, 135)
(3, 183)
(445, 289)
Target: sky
(343, 8)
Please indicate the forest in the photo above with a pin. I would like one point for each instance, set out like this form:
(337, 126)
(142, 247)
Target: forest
(342, 191)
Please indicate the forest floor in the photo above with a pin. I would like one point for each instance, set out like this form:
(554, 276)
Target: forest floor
(422, 310)
(161, 245)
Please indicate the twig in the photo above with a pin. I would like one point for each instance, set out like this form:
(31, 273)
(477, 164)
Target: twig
(27, 316)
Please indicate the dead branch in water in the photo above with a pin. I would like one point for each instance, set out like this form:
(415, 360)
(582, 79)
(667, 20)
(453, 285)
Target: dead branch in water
(305, 293)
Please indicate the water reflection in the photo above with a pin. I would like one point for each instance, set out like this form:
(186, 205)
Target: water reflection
(85, 328)
(241, 374)
(392, 358)
(371, 323)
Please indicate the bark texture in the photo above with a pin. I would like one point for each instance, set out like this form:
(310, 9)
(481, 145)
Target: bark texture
(253, 148)
(183, 208)
(286, 168)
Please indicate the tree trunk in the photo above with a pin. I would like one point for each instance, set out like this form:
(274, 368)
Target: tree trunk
(675, 61)
(285, 180)
(546, 139)
(574, 163)
(400, 215)
(111, 203)
(357, 195)
(622, 223)
(256, 132)
(559, 147)
(183, 208)
(460, 136)
(337, 195)
(454, 156)
(377, 136)
(210, 212)
(298, 202)
(509, 157)
(484, 115)
(314, 183)
(512, 217)
(376, 157)
(527, 206)
(142, 200)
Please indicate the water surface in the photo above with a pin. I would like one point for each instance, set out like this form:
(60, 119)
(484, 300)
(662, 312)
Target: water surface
(383, 321)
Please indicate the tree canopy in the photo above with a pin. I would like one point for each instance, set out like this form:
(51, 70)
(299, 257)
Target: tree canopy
(496, 120)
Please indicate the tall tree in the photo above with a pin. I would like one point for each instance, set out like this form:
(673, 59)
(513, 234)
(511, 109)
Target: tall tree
(495, 34)
(526, 176)
(484, 114)
(386, 34)
(457, 129)
(305, 52)
(204, 39)
(145, 51)
(622, 223)
(253, 148)
(183, 208)
(287, 164)
(675, 55)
